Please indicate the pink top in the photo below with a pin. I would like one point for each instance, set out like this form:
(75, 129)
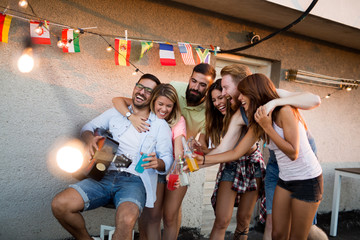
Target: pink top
(179, 129)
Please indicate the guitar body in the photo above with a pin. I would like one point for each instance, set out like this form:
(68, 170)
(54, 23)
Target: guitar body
(102, 158)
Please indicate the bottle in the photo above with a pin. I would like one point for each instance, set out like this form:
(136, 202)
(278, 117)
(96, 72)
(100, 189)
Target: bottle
(190, 161)
(184, 179)
(173, 176)
(138, 167)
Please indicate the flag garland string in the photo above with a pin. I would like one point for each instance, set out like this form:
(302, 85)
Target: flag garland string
(84, 30)
(29, 17)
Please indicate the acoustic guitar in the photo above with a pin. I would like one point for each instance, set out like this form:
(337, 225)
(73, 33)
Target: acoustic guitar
(103, 157)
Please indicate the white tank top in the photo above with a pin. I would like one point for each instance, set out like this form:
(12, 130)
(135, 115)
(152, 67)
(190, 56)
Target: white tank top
(306, 166)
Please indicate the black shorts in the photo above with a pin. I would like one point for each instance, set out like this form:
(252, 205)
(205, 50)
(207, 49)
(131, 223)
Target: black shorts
(309, 190)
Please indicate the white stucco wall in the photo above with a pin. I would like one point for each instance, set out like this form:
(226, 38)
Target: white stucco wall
(344, 12)
(64, 91)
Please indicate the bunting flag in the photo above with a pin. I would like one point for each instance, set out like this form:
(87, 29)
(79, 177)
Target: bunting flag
(5, 22)
(145, 47)
(42, 37)
(203, 55)
(122, 53)
(167, 57)
(186, 53)
(74, 45)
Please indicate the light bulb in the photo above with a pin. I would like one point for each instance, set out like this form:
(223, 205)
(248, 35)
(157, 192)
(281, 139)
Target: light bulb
(60, 43)
(109, 48)
(348, 89)
(135, 72)
(327, 96)
(67, 44)
(69, 159)
(26, 61)
(23, 3)
(77, 30)
(39, 30)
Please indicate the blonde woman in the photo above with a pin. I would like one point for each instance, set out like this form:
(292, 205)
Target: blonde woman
(164, 104)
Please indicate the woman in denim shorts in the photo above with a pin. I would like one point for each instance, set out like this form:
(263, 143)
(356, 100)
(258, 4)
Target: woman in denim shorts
(300, 186)
(238, 182)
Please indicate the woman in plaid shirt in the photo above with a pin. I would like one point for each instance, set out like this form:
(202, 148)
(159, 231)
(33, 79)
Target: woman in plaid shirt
(239, 182)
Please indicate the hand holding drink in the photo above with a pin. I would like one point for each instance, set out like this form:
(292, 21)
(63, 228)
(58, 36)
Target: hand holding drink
(138, 167)
(190, 161)
(173, 176)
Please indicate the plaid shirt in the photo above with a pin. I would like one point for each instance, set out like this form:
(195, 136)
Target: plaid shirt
(245, 180)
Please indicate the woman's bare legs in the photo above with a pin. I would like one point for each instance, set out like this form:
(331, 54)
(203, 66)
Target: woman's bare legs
(281, 214)
(302, 215)
(150, 219)
(225, 200)
(245, 210)
(292, 218)
(171, 212)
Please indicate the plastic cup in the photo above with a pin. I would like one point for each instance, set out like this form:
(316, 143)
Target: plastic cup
(138, 166)
(171, 183)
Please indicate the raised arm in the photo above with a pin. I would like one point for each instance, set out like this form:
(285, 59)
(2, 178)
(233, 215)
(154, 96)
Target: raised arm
(286, 119)
(240, 150)
(179, 130)
(302, 100)
(122, 104)
(232, 135)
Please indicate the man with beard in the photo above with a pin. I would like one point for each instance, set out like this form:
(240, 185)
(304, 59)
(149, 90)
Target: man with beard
(192, 97)
(127, 189)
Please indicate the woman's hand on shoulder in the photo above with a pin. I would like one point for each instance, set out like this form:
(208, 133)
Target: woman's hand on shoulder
(262, 118)
(139, 123)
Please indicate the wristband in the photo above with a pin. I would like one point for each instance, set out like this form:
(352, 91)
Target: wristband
(204, 160)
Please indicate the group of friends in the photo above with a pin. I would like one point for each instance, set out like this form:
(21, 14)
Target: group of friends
(230, 116)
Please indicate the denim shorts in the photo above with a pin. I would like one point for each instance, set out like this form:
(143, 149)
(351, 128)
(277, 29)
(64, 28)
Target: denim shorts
(115, 187)
(271, 179)
(161, 178)
(229, 172)
(309, 190)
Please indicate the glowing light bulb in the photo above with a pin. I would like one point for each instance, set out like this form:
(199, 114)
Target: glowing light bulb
(109, 48)
(39, 30)
(26, 61)
(67, 44)
(348, 89)
(135, 72)
(77, 30)
(60, 43)
(327, 96)
(69, 159)
(23, 3)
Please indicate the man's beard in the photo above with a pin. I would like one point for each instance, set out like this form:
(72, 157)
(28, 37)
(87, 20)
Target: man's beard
(145, 104)
(193, 99)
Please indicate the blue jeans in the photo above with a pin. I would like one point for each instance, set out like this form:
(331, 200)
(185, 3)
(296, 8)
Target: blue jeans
(116, 187)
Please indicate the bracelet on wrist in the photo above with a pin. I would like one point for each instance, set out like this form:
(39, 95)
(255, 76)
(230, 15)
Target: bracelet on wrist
(204, 160)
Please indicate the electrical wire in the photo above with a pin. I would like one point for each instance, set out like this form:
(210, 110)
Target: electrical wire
(302, 17)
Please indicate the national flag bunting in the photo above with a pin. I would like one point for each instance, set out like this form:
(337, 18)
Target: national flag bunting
(73, 45)
(145, 47)
(5, 21)
(186, 53)
(122, 53)
(203, 55)
(43, 37)
(167, 57)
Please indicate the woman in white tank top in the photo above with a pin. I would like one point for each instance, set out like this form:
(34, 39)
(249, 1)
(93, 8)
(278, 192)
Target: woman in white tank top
(300, 186)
